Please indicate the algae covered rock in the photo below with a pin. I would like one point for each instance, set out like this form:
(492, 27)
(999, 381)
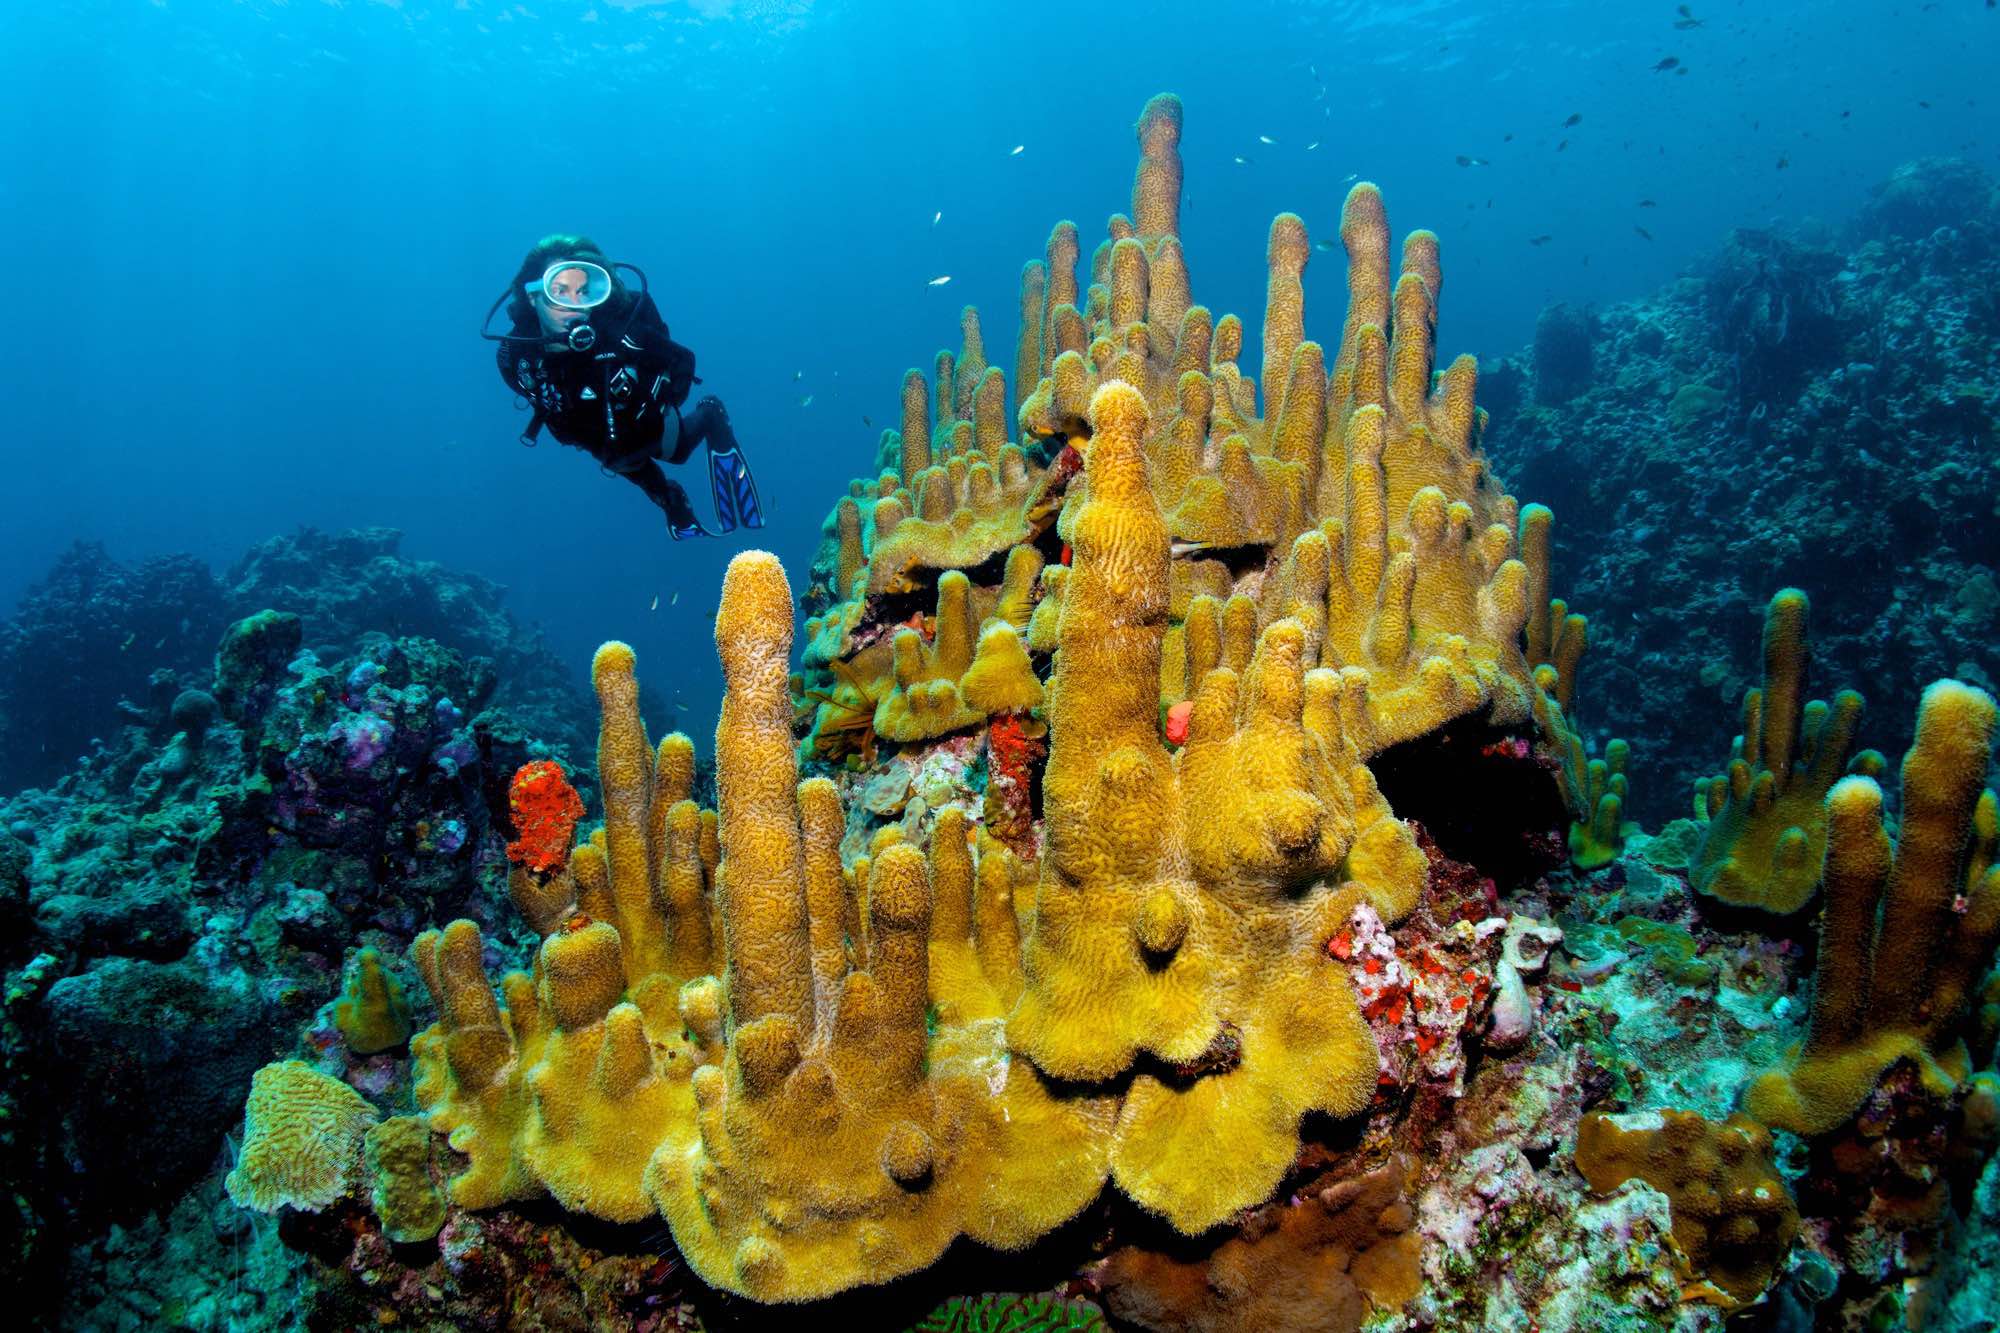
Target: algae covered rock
(151, 1058)
(250, 663)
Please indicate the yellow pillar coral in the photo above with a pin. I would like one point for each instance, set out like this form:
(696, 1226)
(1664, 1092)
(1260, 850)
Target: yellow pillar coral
(835, 1144)
(1184, 905)
(1765, 819)
(469, 1064)
(926, 700)
(971, 506)
(567, 1088)
(1909, 926)
(946, 682)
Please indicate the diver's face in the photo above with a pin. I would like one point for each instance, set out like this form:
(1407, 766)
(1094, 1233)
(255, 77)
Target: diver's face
(557, 320)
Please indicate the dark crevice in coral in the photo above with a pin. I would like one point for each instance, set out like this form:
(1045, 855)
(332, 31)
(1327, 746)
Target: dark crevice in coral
(1730, 918)
(890, 609)
(1484, 798)
(1049, 544)
(1236, 561)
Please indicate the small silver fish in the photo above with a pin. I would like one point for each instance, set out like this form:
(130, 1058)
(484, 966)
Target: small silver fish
(656, 603)
(939, 281)
(670, 601)
(798, 375)
(937, 217)
(1242, 162)
(1350, 178)
(1019, 149)
(1265, 138)
(1314, 144)
(806, 401)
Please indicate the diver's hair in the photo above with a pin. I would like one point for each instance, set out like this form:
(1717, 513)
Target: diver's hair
(560, 245)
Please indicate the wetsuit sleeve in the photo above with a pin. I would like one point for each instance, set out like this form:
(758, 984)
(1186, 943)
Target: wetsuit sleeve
(507, 357)
(664, 368)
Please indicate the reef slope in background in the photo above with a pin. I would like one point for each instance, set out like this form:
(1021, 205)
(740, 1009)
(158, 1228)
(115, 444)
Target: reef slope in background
(94, 631)
(1806, 407)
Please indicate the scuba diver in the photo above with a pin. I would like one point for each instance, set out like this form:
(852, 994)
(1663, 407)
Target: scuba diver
(594, 360)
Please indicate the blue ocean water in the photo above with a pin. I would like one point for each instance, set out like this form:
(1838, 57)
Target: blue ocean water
(253, 240)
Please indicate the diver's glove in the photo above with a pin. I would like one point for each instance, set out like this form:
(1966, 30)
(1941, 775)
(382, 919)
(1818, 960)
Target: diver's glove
(681, 520)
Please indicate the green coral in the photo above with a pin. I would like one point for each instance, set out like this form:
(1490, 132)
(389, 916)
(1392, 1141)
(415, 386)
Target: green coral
(1673, 846)
(1694, 401)
(402, 1188)
(372, 1014)
(1671, 949)
(1764, 818)
(1599, 838)
(997, 1312)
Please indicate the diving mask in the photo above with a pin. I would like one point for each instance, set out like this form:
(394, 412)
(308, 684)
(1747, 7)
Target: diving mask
(573, 284)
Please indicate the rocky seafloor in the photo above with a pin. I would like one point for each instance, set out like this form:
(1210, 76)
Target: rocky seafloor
(313, 759)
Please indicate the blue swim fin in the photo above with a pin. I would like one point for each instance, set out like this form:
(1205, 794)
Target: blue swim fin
(736, 503)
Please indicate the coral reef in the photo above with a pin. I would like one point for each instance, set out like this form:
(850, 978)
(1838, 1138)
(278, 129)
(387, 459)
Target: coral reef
(93, 633)
(1563, 355)
(823, 1045)
(1836, 396)
(185, 898)
(90, 633)
(1168, 891)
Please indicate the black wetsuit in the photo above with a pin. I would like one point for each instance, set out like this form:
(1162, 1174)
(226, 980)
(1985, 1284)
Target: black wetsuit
(621, 401)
